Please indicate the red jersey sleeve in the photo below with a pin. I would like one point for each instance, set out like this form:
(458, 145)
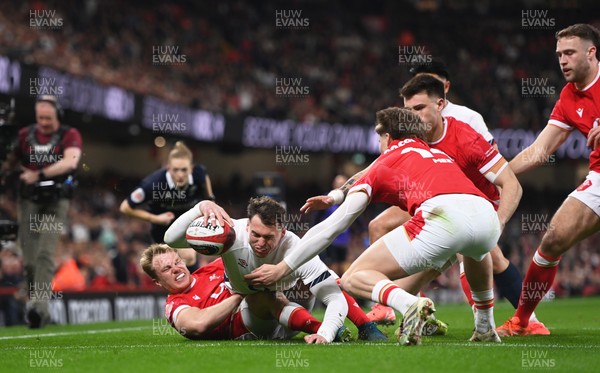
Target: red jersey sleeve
(558, 118)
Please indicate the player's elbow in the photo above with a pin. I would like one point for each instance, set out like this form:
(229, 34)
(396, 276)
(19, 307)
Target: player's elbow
(194, 329)
(125, 208)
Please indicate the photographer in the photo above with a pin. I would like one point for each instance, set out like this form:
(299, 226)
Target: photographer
(48, 153)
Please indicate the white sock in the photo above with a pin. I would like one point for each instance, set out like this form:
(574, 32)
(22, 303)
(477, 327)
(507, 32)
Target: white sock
(394, 296)
(533, 318)
(484, 303)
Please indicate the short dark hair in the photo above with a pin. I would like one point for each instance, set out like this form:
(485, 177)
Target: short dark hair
(437, 67)
(583, 31)
(400, 123)
(423, 83)
(268, 210)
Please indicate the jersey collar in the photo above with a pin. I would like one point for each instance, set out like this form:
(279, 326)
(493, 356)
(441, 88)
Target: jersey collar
(443, 133)
(171, 183)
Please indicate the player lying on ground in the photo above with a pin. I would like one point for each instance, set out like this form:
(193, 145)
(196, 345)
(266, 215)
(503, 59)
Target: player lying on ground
(450, 215)
(261, 238)
(201, 306)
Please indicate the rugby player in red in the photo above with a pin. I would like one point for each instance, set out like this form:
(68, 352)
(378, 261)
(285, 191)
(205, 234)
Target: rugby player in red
(449, 215)
(200, 306)
(578, 53)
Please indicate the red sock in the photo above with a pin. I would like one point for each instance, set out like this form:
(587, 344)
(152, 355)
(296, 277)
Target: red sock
(355, 313)
(538, 281)
(301, 320)
(466, 288)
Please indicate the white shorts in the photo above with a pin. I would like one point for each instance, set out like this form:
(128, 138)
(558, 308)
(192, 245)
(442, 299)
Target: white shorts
(263, 329)
(589, 192)
(271, 329)
(442, 227)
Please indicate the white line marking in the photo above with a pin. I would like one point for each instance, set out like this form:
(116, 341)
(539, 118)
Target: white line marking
(253, 344)
(98, 331)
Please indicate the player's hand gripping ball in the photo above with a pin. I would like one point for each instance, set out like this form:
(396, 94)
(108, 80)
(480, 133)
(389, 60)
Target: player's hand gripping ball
(209, 239)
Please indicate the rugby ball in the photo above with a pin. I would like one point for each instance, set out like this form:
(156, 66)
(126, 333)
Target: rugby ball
(209, 239)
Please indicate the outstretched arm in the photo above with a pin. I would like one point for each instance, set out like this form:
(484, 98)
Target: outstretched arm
(175, 235)
(314, 241)
(537, 153)
(335, 197)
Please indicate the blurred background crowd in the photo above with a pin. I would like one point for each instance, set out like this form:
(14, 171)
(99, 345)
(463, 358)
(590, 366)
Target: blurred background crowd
(234, 54)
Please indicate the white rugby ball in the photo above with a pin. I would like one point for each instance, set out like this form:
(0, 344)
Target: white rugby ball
(209, 239)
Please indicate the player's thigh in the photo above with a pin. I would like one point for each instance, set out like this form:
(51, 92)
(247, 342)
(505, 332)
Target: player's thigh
(256, 318)
(572, 222)
(385, 222)
(418, 281)
(377, 257)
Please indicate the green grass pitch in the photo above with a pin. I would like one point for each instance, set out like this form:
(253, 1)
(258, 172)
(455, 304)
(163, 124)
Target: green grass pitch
(149, 346)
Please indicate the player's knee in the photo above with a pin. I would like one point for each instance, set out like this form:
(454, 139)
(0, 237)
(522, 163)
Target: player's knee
(499, 262)
(346, 281)
(554, 244)
(376, 229)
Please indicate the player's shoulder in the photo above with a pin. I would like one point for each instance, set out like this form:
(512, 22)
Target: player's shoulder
(461, 112)
(210, 268)
(288, 241)
(241, 234)
(461, 128)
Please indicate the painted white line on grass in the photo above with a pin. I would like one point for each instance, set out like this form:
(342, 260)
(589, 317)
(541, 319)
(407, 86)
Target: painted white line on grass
(97, 331)
(254, 344)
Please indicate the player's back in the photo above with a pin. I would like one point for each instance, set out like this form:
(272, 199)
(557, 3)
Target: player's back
(410, 172)
(471, 153)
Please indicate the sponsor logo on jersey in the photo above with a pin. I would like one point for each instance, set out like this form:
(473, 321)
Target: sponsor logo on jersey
(196, 297)
(580, 112)
(243, 263)
(214, 277)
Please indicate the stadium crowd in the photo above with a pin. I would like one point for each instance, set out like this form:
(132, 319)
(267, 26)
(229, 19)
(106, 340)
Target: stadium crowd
(362, 46)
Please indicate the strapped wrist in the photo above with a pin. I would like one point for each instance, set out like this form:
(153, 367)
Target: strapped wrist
(337, 195)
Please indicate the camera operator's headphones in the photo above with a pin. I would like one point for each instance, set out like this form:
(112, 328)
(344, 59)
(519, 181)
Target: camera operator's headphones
(52, 100)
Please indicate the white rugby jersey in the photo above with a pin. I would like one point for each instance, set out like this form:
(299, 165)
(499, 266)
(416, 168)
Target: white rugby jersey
(240, 260)
(470, 117)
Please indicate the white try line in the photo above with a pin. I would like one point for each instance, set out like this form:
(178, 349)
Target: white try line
(261, 343)
(82, 332)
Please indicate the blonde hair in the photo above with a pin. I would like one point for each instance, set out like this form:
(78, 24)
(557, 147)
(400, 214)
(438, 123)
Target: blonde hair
(149, 254)
(180, 150)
